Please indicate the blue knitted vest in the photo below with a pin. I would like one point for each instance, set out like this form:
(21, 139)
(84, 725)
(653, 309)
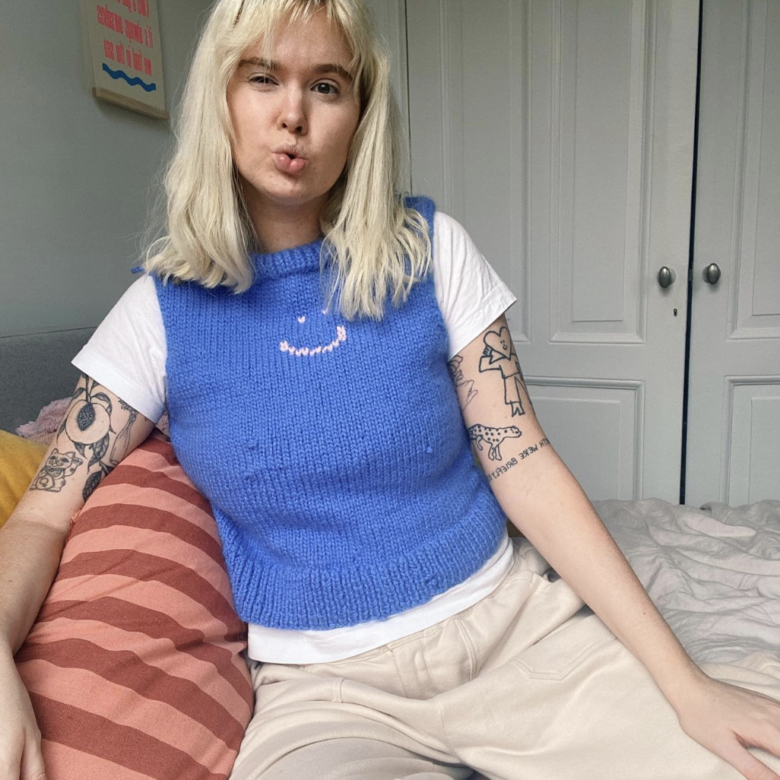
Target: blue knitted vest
(333, 453)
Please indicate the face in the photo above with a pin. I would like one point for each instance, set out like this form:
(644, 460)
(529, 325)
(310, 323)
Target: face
(294, 117)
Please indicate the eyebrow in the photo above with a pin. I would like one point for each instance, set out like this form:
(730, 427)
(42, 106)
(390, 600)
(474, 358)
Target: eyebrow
(328, 67)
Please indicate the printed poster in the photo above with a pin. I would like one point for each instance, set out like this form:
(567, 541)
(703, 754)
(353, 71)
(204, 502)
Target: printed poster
(125, 52)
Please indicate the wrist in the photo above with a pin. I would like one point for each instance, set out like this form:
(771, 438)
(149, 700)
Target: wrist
(678, 688)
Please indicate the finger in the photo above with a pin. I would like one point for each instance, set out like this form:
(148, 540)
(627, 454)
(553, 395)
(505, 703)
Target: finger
(32, 760)
(9, 764)
(749, 766)
(769, 741)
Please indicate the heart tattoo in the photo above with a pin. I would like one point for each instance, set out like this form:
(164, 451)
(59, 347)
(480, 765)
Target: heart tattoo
(500, 355)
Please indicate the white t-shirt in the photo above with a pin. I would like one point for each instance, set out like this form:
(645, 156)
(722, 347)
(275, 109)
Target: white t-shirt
(127, 354)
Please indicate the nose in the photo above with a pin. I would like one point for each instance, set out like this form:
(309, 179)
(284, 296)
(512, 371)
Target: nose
(292, 115)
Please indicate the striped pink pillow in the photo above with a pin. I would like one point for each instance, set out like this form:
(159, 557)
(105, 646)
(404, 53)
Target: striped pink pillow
(134, 665)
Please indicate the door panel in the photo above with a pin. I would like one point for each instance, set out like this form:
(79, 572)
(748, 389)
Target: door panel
(734, 413)
(560, 133)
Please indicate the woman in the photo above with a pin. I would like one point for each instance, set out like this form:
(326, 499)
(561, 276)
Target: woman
(395, 631)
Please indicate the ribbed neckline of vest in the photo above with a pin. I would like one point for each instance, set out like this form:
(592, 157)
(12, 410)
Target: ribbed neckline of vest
(296, 259)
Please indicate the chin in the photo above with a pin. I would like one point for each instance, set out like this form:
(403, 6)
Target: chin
(293, 196)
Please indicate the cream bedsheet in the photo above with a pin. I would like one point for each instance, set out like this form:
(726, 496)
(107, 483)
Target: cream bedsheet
(713, 572)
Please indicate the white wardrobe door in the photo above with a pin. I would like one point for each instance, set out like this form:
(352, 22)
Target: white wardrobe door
(560, 133)
(734, 409)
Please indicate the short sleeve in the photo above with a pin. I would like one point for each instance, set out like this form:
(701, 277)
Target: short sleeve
(469, 292)
(127, 352)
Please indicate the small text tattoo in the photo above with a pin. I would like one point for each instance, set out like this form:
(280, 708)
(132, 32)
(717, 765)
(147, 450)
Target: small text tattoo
(496, 473)
(527, 452)
(499, 355)
(464, 387)
(493, 437)
(532, 449)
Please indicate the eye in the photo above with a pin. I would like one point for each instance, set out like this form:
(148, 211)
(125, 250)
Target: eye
(331, 86)
(259, 79)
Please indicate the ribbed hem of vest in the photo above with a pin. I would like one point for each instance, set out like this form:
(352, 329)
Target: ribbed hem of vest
(300, 599)
(295, 260)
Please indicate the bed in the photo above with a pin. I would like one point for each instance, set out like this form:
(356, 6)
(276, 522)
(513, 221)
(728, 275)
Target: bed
(713, 571)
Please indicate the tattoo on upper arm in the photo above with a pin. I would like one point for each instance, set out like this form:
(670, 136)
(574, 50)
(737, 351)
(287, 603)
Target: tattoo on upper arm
(500, 355)
(527, 452)
(88, 426)
(457, 376)
(493, 437)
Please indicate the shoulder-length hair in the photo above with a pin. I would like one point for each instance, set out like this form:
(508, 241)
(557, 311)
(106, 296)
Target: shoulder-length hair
(372, 242)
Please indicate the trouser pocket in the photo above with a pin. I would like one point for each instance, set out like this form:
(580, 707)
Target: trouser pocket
(556, 655)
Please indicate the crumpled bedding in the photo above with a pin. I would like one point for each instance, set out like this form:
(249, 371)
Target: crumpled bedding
(713, 572)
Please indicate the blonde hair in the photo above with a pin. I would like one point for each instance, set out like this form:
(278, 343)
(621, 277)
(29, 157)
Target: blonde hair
(372, 241)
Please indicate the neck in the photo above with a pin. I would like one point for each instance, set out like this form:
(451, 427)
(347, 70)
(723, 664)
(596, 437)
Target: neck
(283, 227)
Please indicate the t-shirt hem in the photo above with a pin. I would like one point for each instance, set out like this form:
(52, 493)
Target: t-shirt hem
(308, 647)
(120, 385)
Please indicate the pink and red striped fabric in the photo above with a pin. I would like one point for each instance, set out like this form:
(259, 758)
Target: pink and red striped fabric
(134, 665)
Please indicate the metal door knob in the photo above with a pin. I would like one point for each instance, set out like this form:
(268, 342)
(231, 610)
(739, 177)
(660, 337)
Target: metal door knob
(711, 273)
(666, 276)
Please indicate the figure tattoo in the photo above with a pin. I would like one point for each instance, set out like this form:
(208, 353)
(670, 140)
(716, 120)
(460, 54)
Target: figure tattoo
(457, 377)
(500, 355)
(493, 437)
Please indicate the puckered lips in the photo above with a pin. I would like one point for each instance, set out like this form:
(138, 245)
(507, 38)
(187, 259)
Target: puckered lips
(289, 158)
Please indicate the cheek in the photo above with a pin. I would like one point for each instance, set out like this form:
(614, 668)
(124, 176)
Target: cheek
(247, 126)
(342, 136)
(240, 161)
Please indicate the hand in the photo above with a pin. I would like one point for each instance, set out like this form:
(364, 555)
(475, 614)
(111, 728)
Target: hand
(20, 739)
(727, 719)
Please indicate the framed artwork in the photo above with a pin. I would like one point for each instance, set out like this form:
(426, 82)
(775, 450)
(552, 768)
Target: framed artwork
(123, 38)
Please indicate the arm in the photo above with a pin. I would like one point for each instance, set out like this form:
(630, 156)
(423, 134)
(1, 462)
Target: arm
(545, 502)
(98, 431)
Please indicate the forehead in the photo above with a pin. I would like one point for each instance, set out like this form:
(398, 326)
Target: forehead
(304, 42)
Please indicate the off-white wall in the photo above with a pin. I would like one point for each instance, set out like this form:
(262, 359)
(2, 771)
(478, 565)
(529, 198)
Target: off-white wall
(76, 173)
(390, 19)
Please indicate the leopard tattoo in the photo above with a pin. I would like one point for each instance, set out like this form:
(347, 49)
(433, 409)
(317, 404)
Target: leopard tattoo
(493, 437)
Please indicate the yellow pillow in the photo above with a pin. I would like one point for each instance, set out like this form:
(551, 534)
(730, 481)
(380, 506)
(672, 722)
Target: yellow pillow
(19, 462)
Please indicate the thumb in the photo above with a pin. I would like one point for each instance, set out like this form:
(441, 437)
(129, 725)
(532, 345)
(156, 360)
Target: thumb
(32, 760)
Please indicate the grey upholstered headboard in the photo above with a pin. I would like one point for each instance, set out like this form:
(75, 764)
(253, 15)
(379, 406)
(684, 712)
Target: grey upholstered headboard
(36, 369)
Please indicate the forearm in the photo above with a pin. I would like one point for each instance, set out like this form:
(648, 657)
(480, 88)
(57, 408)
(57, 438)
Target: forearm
(559, 520)
(30, 553)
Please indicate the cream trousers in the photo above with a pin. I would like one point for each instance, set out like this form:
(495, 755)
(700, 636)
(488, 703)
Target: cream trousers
(526, 684)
